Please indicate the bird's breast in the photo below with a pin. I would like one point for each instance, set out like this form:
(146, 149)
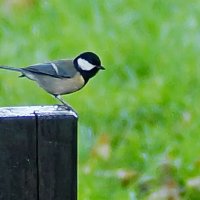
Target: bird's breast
(70, 85)
(61, 86)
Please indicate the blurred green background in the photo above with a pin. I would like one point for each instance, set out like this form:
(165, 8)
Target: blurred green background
(139, 121)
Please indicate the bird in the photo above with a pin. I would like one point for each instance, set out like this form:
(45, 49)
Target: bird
(62, 76)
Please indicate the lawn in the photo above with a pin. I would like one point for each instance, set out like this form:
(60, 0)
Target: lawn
(139, 120)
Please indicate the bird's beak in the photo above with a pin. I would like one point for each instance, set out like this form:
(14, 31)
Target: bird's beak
(101, 67)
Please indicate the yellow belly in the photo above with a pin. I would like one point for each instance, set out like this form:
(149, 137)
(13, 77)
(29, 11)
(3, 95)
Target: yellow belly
(60, 86)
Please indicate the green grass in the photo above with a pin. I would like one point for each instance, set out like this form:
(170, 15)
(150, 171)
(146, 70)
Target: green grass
(144, 108)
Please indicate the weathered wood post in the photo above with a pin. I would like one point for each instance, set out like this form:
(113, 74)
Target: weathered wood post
(38, 153)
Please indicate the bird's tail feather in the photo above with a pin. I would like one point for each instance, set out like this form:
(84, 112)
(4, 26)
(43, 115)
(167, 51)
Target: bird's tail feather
(11, 68)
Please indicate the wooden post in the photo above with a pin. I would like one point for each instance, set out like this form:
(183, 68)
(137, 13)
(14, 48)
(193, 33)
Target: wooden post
(38, 153)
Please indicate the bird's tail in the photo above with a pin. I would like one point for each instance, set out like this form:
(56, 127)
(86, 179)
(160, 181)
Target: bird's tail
(11, 68)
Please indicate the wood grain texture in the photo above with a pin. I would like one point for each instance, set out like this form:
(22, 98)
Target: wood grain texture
(38, 153)
(57, 157)
(18, 174)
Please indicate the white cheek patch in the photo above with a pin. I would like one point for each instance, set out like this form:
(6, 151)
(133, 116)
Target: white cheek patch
(85, 65)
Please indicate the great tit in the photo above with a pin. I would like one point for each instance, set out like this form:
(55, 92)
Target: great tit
(62, 76)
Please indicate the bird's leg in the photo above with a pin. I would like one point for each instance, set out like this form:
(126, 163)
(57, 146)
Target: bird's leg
(65, 105)
(61, 100)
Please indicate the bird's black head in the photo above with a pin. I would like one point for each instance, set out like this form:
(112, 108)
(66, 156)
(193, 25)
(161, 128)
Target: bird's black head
(88, 64)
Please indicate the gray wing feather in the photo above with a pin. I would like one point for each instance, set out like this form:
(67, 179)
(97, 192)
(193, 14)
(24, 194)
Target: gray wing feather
(57, 69)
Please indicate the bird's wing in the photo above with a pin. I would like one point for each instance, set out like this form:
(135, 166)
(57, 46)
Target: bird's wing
(57, 69)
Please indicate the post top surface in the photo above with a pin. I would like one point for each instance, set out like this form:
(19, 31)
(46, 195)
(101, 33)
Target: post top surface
(33, 110)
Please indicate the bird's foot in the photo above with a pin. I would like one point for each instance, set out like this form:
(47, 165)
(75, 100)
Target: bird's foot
(61, 107)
